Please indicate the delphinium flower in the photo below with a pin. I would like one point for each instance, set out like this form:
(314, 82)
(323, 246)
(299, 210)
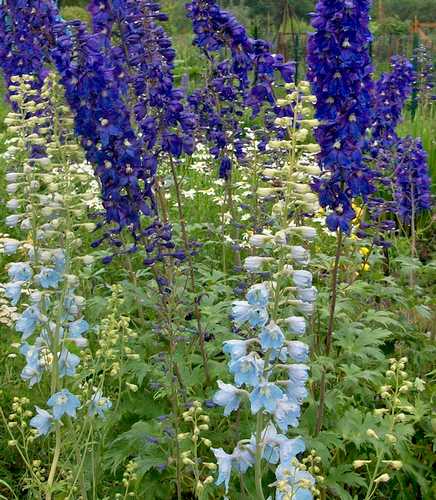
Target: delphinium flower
(146, 56)
(23, 44)
(390, 94)
(268, 359)
(425, 74)
(340, 73)
(45, 197)
(412, 183)
(245, 79)
(103, 123)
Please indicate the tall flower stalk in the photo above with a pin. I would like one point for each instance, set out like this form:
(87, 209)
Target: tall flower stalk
(340, 73)
(44, 285)
(263, 354)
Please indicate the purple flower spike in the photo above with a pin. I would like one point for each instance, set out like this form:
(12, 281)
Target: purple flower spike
(340, 73)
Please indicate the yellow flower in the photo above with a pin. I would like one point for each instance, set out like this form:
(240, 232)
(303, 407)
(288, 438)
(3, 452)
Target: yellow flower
(366, 267)
(364, 251)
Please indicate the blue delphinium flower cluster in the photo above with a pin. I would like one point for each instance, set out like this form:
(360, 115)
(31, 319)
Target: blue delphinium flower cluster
(216, 29)
(244, 80)
(146, 57)
(412, 181)
(96, 93)
(23, 44)
(42, 284)
(390, 94)
(255, 363)
(128, 113)
(423, 60)
(340, 73)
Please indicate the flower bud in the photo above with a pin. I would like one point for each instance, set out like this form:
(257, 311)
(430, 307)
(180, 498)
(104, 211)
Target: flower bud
(357, 464)
(390, 438)
(311, 148)
(371, 433)
(260, 240)
(132, 387)
(394, 464)
(384, 478)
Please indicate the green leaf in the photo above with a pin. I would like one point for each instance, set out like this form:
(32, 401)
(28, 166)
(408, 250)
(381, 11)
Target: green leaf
(149, 462)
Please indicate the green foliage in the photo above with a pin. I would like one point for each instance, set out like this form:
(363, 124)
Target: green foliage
(391, 26)
(71, 12)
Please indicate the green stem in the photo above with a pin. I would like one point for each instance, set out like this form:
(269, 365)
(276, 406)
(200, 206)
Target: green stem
(370, 492)
(197, 312)
(258, 465)
(329, 337)
(55, 461)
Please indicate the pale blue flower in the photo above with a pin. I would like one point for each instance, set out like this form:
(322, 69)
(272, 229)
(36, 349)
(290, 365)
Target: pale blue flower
(224, 467)
(12, 220)
(99, 404)
(300, 255)
(20, 271)
(75, 331)
(63, 403)
(307, 294)
(306, 307)
(27, 322)
(67, 363)
(298, 373)
(258, 295)
(271, 440)
(228, 396)
(281, 354)
(13, 204)
(296, 324)
(271, 337)
(33, 370)
(243, 458)
(242, 312)
(287, 414)
(42, 421)
(72, 303)
(236, 348)
(10, 246)
(247, 369)
(32, 373)
(296, 393)
(255, 264)
(13, 292)
(307, 232)
(290, 448)
(298, 351)
(78, 327)
(302, 279)
(58, 260)
(48, 278)
(265, 395)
